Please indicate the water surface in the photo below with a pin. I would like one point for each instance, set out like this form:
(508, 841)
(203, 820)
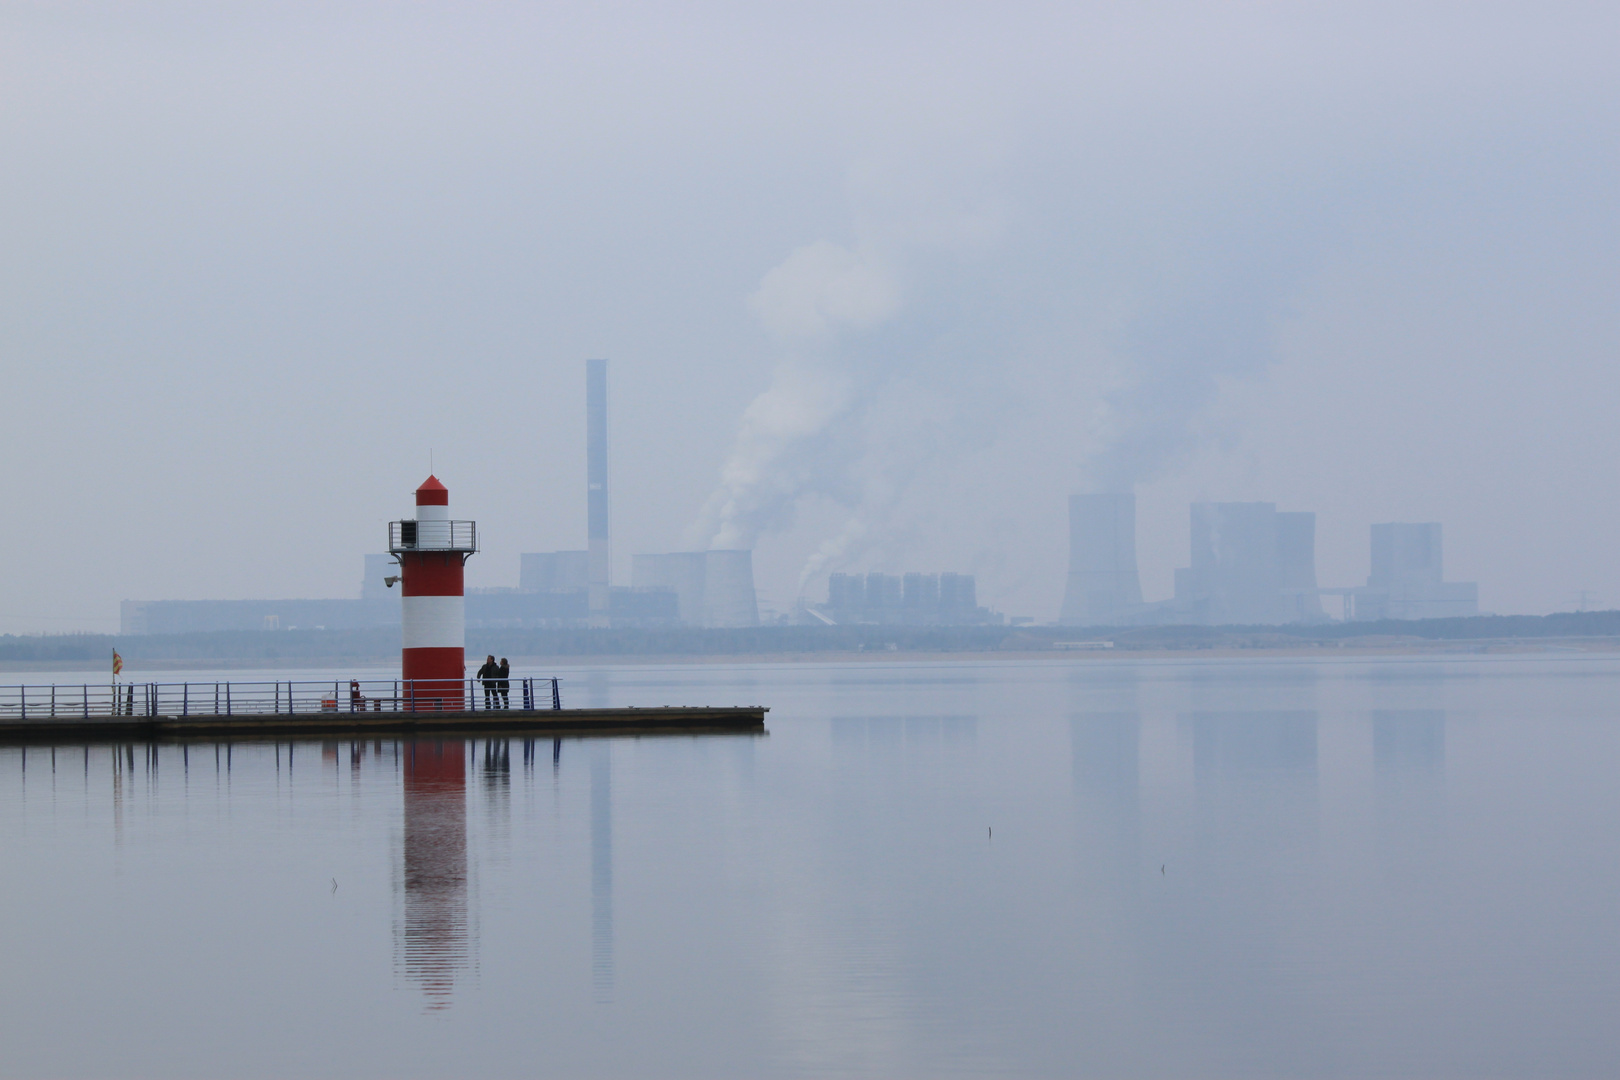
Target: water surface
(1070, 868)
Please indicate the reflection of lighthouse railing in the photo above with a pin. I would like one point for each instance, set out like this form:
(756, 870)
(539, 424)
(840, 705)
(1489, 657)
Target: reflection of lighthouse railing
(432, 536)
(81, 701)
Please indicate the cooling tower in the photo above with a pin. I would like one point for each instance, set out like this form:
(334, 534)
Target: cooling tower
(728, 589)
(596, 492)
(1296, 565)
(1234, 562)
(1103, 583)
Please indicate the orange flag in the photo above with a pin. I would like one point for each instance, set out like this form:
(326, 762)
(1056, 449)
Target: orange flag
(118, 662)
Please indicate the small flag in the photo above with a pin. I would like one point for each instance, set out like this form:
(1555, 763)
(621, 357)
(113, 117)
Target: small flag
(118, 662)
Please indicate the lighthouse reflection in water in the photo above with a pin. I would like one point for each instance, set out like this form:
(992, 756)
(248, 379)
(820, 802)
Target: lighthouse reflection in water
(433, 940)
(436, 939)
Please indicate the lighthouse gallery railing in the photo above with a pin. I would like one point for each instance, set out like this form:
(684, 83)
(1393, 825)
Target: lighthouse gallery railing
(432, 535)
(84, 700)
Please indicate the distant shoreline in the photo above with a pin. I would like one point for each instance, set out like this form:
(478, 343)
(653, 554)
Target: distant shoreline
(379, 646)
(1548, 646)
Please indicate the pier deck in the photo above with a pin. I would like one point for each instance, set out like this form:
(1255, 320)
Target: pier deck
(337, 707)
(670, 720)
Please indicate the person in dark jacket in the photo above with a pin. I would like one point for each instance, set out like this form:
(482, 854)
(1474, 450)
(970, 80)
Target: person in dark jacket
(504, 683)
(490, 675)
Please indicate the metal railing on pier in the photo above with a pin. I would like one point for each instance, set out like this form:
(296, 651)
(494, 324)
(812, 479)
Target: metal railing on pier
(86, 700)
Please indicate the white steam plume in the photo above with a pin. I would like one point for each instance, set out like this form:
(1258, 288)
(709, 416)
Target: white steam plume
(822, 289)
(778, 456)
(795, 438)
(1216, 326)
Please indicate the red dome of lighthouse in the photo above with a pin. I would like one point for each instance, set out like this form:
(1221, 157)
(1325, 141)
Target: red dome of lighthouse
(432, 493)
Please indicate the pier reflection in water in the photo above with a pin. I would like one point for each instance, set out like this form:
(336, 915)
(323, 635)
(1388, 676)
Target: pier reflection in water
(599, 694)
(601, 753)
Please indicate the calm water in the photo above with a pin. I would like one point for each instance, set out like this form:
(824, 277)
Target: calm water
(1219, 868)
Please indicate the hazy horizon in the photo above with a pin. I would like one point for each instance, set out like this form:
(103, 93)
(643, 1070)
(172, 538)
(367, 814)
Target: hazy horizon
(880, 286)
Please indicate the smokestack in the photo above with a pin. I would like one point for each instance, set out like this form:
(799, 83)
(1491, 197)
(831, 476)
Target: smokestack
(596, 493)
(1103, 583)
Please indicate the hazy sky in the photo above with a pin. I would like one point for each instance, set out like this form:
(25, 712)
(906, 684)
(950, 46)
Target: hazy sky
(880, 285)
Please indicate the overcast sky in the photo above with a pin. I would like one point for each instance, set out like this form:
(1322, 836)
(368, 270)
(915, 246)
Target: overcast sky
(880, 285)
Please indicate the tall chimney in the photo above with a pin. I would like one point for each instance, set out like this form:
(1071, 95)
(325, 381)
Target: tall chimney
(596, 492)
(1103, 583)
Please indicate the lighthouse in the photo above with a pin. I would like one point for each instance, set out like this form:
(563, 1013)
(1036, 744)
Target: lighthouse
(431, 551)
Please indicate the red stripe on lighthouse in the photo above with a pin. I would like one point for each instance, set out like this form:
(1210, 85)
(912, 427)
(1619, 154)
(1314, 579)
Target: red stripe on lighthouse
(435, 672)
(433, 573)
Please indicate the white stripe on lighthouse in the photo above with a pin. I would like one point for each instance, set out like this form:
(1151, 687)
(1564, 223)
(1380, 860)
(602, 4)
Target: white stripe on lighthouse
(431, 533)
(434, 622)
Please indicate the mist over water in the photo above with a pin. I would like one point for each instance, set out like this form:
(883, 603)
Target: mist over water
(1197, 868)
(879, 289)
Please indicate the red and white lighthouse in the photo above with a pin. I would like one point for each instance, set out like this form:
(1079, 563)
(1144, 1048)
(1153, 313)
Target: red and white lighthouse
(431, 551)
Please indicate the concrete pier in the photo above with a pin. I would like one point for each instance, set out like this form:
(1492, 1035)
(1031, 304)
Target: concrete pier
(555, 723)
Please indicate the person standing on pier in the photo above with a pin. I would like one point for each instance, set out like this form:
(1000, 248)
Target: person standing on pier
(504, 683)
(488, 675)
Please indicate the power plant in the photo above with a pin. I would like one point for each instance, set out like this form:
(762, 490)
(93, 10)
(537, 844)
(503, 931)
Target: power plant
(702, 588)
(1250, 564)
(556, 589)
(1104, 588)
(575, 588)
(712, 588)
(913, 599)
(553, 571)
(1407, 579)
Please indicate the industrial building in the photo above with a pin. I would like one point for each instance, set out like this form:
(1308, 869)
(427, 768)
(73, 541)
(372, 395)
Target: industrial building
(548, 571)
(712, 588)
(1250, 565)
(690, 588)
(198, 616)
(568, 608)
(1408, 580)
(556, 589)
(913, 599)
(563, 607)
